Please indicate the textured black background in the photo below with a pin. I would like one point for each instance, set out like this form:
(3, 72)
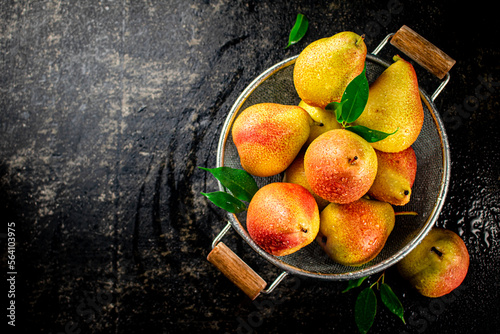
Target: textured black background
(106, 109)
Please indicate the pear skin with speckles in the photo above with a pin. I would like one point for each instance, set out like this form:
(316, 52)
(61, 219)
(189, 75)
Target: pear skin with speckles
(437, 265)
(325, 67)
(282, 218)
(395, 176)
(355, 233)
(394, 103)
(340, 166)
(268, 137)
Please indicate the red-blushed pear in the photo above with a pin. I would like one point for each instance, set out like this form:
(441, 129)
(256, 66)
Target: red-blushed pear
(395, 176)
(437, 265)
(355, 233)
(394, 103)
(325, 67)
(282, 218)
(268, 136)
(340, 166)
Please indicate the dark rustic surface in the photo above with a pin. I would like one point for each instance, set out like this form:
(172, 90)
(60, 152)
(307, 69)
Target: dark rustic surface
(106, 109)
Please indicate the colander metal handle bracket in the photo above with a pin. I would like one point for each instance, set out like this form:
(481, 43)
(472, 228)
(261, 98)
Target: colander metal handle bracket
(423, 53)
(236, 270)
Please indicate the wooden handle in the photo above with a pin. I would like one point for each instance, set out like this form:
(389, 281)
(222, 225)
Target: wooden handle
(236, 270)
(422, 51)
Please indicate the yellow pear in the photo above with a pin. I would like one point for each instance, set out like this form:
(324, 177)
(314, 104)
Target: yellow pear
(355, 233)
(323, 120)
(394, 104)
(325, 67)
(395, 176)
(295, 173)
(268, 136)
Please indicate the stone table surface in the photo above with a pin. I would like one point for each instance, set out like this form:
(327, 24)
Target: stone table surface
(108, 107)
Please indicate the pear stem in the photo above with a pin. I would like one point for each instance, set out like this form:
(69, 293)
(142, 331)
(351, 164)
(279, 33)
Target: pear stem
(351, 161)
(360, 39)
(434, 249)
(406, 213)
(381, 277)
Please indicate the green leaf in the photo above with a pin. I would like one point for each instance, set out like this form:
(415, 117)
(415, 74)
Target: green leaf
(355, 97)
(390, 300)
(226, 201)
(336, 107)
(368, 134)
(354, 283)
(365, 310)
(239, 182)
(299, 30)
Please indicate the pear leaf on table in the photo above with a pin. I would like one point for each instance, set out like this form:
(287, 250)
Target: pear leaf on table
(354, 283)
(391, 301)
(226, 201)
(239, 182)
(365, 309)
(299, 30)
(368, 134)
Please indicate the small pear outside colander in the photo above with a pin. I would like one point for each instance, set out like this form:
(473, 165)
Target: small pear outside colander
(428, 193)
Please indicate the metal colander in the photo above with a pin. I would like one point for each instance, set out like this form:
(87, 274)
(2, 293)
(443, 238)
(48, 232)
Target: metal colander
(428, 193)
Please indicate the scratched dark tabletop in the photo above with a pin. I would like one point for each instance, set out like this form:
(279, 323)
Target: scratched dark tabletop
(108, 107)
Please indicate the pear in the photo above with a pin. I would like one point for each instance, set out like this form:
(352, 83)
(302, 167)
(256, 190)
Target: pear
(268, 136)
(437, 265)
(325, 67)
(355, 233)
(395, 176)
(282, 218)
(340, 166)
(295, 173)
(323, 120)
(394, 104)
